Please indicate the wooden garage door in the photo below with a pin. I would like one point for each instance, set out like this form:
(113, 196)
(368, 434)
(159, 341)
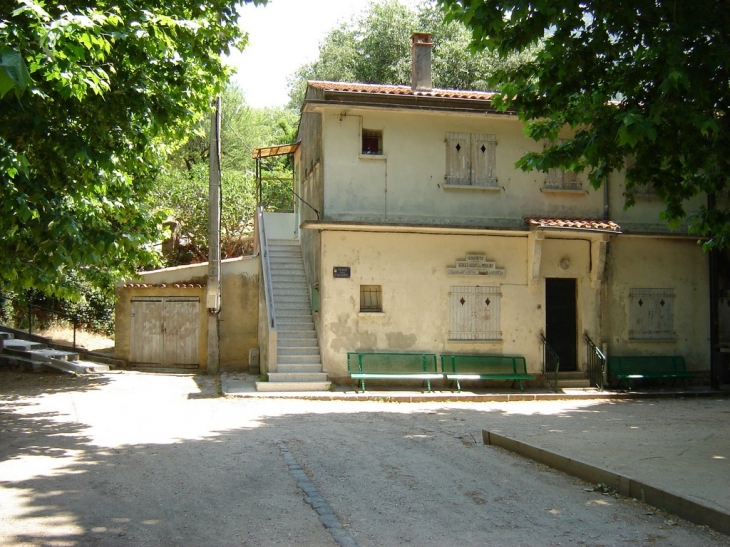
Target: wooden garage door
(165, 331)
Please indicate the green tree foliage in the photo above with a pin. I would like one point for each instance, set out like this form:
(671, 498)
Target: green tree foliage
(111, 85)
(647, 80)
(182, 191)
(375, 48)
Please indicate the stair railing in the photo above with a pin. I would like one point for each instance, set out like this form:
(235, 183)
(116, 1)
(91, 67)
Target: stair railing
(266, 267)
(73, 317)
(269, 343)
(596, 360)
(550, 364)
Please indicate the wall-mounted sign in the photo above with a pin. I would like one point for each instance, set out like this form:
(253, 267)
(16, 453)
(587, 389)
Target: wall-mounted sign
(341, 271)
(475, 265)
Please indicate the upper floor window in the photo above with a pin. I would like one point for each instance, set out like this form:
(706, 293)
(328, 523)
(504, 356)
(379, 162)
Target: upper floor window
(471, 159)
(640, 189)
(558, 179)
(372, 142)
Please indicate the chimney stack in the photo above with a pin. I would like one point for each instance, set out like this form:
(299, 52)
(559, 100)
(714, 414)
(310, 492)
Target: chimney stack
(421, 45)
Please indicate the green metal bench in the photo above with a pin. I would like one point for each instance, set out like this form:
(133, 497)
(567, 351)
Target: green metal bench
(458, 367)
(370, 365)
(640, 367)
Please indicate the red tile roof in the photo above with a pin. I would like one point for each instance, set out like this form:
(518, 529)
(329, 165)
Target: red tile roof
(400, 90)
(574, 224)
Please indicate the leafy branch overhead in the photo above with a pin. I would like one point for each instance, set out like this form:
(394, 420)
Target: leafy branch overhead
(94, 95)
(645, 85)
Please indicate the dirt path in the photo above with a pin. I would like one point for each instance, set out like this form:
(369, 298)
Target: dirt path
(135, 459)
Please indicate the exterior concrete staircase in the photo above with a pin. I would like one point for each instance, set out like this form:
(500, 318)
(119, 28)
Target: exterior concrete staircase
(299, 365)
(35, 356)
(573, 380)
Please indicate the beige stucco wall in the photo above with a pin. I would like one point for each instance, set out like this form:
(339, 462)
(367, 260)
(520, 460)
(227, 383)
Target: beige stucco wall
(406, 183)
(412, 270)
(238, 331)
(643, 262)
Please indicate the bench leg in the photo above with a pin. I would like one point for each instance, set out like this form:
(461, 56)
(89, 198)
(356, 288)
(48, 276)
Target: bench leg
(428, 383)
(362, 385)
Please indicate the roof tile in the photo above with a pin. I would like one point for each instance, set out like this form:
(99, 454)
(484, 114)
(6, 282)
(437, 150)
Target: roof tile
(574, 224)
(400, 90)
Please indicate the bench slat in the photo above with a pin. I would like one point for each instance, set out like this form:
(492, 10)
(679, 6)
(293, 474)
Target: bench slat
(458, 367)
(387, 365)
(632, 367)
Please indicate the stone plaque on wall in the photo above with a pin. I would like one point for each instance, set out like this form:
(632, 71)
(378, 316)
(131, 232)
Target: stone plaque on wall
(474, 264)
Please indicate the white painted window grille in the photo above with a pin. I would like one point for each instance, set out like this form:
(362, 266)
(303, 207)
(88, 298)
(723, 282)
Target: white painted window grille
(474, 313)
(371, 298)
(651, 314)
(557, 179)
(471, 159)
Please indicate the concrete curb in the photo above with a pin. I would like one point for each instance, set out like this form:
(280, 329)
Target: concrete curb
(661, 499)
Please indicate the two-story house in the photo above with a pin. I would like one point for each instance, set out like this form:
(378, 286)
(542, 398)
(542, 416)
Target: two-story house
(418, 233)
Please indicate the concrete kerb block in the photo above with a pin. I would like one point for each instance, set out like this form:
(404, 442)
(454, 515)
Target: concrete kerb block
(690, 510)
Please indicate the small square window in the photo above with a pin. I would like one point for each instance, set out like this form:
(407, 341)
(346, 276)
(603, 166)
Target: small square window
(371, 298)
(372, 142)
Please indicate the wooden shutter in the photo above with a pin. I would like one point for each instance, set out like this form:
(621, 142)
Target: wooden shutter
(484, 159)
(475, 313)
(457, 158)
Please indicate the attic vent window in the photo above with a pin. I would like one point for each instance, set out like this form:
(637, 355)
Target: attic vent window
(372, 142)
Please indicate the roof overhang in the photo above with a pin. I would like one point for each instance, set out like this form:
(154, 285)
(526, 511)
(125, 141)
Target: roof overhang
(398, 228)
(271, 151)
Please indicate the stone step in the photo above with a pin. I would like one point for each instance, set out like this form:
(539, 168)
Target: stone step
(288, 387)
(578, 383)
(299, 368)
(21, 345)
(296, 334)
(303, 343)
(48, 353)
(297, 326)
(285, 317)
(277, 377)
(297, 350)
(292, 300)
(300, 360)
(299, 304)
(291, 291)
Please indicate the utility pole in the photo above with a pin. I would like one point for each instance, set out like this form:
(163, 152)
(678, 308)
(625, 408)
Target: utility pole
(213, 292)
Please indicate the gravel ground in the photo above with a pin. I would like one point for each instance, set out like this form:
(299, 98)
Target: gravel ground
(129, 458)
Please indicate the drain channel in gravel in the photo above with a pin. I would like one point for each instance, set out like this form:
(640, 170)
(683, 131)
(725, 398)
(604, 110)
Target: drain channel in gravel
(312, 496)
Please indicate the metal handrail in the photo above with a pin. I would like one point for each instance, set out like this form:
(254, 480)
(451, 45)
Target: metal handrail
(264, 253)
(74, 318)
(550, 364)
(596, 361)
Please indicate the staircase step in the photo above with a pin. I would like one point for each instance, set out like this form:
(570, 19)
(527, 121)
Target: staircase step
(298, 343)
(297, 350)
(584, 383)
(282, 387)
(306, 369)
(297, 334)
(300, 360)
(47, 353)
(21, 345)
(276, 377)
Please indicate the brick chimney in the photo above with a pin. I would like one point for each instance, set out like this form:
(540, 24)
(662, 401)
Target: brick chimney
(421, 45)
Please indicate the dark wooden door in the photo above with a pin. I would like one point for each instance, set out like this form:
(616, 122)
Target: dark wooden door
(560, 320)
